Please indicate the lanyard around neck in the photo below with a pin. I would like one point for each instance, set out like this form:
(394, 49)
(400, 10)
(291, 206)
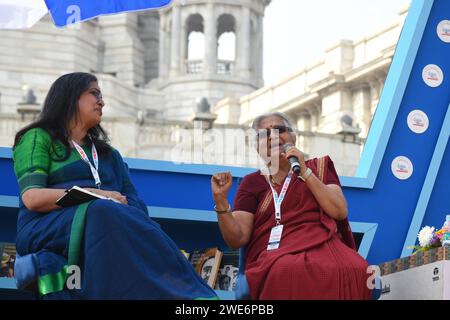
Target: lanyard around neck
(278, 199)
(84, 157)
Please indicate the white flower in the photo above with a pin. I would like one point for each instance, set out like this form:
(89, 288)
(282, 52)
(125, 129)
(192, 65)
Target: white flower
(425, 235)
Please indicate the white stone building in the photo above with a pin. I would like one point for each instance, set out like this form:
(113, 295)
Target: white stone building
(142, 58)
(347, 80)
(152, 86)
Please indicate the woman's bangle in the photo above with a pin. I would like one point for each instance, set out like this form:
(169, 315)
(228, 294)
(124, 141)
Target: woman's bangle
(224, 211)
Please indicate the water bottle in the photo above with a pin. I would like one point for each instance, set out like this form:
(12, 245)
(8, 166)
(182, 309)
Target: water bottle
(446, 229)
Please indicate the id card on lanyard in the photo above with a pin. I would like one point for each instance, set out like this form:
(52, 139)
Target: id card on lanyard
(277, 231)
(84, 157)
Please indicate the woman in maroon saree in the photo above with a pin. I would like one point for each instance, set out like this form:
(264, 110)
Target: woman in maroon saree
(316, 257)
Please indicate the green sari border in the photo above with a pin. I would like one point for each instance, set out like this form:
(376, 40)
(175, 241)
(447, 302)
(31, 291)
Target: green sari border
(52, 282)
(55, 282)
(77, 233)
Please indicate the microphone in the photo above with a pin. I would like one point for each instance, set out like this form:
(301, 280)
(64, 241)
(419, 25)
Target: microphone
(295, 165)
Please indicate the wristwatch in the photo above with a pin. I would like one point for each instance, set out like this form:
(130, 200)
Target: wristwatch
(306, 175)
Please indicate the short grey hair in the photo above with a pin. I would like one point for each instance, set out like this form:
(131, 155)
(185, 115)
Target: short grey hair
(280, 115)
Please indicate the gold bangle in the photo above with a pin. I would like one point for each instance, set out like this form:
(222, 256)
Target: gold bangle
(224, 211)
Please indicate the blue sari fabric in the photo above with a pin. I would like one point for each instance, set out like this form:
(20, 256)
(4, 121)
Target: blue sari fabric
(122, 253)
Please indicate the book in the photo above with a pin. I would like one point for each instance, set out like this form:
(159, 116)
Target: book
(8, 256)
(228, 270)
(77, 195)
(206, 263)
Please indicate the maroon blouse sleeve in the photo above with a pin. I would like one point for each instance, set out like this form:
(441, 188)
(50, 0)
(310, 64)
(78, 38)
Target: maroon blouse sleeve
(245, 199)
(332, 177)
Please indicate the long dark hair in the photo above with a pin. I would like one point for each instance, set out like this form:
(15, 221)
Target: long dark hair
(60, 107)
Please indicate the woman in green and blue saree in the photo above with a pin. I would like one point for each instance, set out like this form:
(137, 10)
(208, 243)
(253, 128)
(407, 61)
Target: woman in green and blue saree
(120, 251)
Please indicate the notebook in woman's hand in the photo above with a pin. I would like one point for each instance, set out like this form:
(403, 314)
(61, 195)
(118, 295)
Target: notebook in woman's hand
(77, 195)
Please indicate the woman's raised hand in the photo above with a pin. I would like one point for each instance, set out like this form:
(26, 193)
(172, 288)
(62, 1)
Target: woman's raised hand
(221, 184)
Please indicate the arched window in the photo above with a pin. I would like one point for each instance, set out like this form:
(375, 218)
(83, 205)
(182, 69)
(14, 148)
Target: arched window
(195, 44)
(227, 47)
(226, 51)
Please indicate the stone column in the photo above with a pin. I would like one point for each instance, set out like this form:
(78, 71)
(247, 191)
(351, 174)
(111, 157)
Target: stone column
(367, 115)
(375, 93)
(259, 50)
(210, 59)
(333, 105)
(162, 46)
(304, 121)
(175, 41)
(244, 43)
(183, 48)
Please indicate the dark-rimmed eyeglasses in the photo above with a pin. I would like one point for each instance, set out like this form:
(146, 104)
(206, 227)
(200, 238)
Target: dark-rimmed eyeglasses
(266, 132)
(97, 94)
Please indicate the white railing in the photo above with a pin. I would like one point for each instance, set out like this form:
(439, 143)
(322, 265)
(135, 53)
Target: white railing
(194, 66)
(225, 67)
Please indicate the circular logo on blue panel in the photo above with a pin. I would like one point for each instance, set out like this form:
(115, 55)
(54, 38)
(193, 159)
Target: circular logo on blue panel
(418, 121)
(433, 75)
(402, 168)
(443, 31)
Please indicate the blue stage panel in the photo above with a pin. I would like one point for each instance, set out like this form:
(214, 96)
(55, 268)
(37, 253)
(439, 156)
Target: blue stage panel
(387, 211)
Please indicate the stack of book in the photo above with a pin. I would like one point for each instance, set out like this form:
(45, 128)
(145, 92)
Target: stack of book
(8, 254)
(206, 263)
(228, 271)
(424, 275)
(218, 268)
(418, 259)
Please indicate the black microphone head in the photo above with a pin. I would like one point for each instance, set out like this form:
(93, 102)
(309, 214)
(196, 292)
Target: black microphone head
(296, 168)
(295, 165)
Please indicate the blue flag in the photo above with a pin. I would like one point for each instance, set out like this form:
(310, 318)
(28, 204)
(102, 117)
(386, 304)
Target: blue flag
(65, 12)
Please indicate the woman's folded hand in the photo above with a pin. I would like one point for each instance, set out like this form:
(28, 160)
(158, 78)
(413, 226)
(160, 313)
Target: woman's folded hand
(116, 196)
(110, 194)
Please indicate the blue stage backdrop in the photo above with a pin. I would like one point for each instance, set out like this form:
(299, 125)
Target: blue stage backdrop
(401, 183)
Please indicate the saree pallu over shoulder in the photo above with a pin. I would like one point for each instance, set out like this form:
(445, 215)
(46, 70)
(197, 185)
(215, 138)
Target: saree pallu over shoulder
(343, 226)
(31, 159)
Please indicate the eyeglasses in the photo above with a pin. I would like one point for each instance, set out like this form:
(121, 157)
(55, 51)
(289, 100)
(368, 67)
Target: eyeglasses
(266, 132)
(97, 95)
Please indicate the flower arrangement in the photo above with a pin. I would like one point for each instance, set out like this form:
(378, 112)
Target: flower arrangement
(428, 239)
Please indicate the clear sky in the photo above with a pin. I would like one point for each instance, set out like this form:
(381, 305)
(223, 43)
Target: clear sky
(297, 32)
